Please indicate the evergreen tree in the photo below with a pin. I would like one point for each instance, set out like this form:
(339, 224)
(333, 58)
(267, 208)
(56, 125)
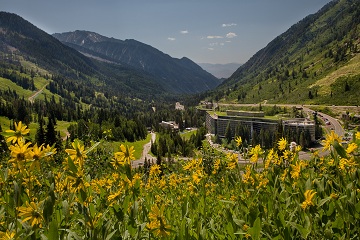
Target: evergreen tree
(40, 133)
(228, 133)
(50, 135)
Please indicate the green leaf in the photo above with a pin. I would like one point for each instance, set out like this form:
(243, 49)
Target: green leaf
(339, 149)
(303, 231)
(16, 194)
(239, 222)
(111, 234)
(308, 184)
(65, 208)
(72, 166)
(255, 231)
(323, 201)
(92, 147)
(119, 213)
(331, 209)
(73, 234)
(48, 209)
(281, 218)
(53, 232)
(338, 223)
(230, 229)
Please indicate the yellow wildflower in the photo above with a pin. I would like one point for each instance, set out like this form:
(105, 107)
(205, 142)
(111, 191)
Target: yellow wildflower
(216, 166)
(173, 180)
(255, 153)
(342, 164)
(246, 177)
(114, 196)
(128, 153)
(78, 153)
(124, 156)
(31, 213)
(18, 134)
(357, 135)
(20, 152)
(351, 148)
(8, 235)
(36, 154)
(263, 180)
(295, 170)
(20, 155)
(157, 222)
(309, 194)
(238, 141)
(283, 176)
(282, 143)
(233, 160)
(197, 176)
(193, 164)
(334, 196)
(155, 170)
(269, 158)
(330, 140)
(245, 227)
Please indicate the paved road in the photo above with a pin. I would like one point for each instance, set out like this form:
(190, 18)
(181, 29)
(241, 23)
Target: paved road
(145, 153)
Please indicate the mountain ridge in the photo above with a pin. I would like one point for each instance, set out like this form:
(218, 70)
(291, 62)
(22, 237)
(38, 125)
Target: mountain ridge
(177, 75)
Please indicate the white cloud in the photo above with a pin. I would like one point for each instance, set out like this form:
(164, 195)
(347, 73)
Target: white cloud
(228, 24)
(184, 31)
(211, 49)
(213, 44)
(212, 37)
(231, 35)
(228, 41)
(222, 44)
(171, 39)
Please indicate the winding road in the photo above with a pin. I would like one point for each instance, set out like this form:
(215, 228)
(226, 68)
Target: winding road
(145, 153)
(32, 97)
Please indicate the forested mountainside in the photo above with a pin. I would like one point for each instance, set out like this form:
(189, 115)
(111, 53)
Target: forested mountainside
(22, 44)
(315, 61)
(175, 75)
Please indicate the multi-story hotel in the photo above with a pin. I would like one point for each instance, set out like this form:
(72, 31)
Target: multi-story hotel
(255, 121)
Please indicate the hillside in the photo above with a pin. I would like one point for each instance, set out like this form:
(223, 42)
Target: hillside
(175, 75)
(24, 47)
(315, 61)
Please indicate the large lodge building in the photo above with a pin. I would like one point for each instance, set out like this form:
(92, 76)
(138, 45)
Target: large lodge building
(255, 121)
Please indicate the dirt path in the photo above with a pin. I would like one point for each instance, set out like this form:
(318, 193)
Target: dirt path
(32, 97)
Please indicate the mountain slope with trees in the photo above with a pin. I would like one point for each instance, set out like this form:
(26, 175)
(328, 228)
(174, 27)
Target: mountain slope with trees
(315, 61)
(21, 42)
(176, 75)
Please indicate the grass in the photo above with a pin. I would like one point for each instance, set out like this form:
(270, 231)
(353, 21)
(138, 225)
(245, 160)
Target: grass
(352, 68)
(187, 133)
(138, 146)
(6, 84)
(4, 122)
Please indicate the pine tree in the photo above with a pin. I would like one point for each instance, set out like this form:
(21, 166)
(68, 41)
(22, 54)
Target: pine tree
(228, 133)
(50, 135)
(40, 133)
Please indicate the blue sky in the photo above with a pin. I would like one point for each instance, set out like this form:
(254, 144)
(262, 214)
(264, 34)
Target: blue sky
(206, 31)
